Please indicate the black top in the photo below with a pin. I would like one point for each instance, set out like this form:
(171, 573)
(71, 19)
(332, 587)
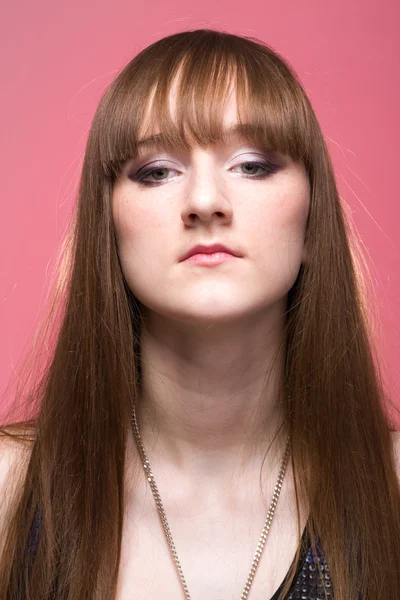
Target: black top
(307, 584)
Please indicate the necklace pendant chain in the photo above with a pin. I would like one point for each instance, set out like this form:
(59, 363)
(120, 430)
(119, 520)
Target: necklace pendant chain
(167, 531)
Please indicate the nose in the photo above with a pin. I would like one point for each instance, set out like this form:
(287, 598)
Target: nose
(206, 197)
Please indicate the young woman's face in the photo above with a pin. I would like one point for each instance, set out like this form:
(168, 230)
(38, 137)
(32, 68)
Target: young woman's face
(252, 201)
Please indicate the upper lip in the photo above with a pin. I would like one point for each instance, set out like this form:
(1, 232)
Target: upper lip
(208, 249)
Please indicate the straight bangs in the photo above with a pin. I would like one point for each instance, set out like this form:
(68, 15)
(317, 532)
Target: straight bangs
(272, 110)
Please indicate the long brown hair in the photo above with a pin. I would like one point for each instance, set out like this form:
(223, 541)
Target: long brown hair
(85, 374)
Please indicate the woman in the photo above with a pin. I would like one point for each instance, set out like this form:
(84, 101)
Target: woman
(213, 378)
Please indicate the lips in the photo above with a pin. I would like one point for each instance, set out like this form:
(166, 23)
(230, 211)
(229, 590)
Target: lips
(208, 249)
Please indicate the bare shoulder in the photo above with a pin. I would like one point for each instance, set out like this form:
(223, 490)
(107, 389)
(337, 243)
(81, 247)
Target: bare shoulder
(15, 447)
(16, 442)
(395, 435)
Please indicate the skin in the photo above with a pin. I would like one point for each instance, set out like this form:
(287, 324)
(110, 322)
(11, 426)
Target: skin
(211, 333)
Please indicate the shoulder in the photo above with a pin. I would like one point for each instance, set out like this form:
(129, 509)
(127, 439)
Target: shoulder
(16, 442)
(395, 435)
(15, 448)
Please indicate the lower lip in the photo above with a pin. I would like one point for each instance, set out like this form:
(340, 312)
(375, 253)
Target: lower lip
(214, 258)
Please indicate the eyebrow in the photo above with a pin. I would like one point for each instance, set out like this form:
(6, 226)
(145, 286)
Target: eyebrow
(237, 130)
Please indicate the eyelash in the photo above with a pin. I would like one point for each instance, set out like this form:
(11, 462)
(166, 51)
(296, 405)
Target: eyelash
(268, 168)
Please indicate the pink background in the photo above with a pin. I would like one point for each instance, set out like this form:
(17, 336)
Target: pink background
(57, 58)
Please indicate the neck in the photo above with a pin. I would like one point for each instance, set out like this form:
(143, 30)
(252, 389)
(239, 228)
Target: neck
(210, 406)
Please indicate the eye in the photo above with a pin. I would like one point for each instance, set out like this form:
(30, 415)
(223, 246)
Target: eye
(257, 170)
(158, 175)
(152, 176)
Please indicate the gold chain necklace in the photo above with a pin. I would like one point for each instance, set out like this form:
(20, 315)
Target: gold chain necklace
(167, 531)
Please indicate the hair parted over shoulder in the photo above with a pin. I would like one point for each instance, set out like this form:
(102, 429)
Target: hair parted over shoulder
(78, 404)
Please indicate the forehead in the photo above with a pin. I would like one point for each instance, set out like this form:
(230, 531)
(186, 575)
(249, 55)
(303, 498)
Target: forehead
(233, 132)
(174, 114)
(150, 134)
(230, 108)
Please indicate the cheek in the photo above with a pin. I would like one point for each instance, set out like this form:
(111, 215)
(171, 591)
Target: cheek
(281, 224)
(141, 230)
(282, 215)
(140, 234)
(132, 219)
